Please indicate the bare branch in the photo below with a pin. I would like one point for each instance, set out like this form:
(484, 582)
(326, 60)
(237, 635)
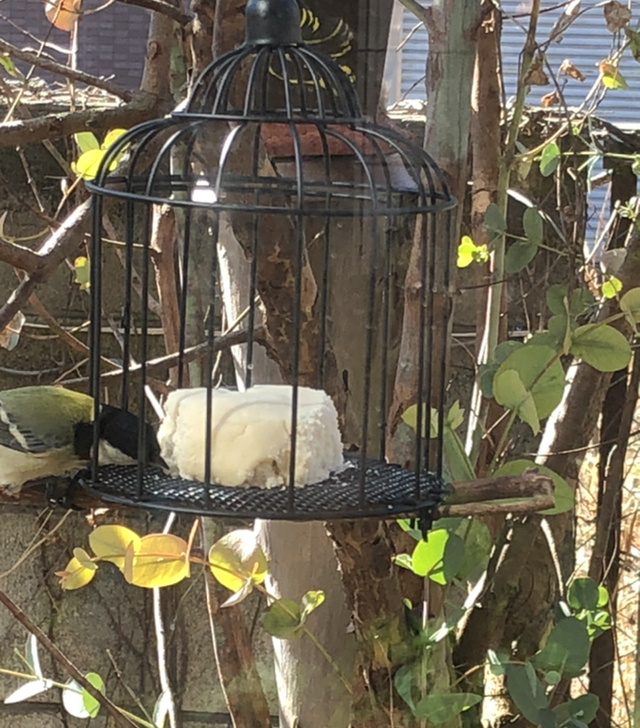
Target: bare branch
(61, 70)
(19, 257)
(159, 6)
(25, 131)
(62, 243)
(64, 662)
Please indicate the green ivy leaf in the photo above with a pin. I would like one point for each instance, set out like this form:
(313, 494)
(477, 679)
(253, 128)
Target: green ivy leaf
(566, 649)
(477, 547)
(439, 556)
(603, 596)
(564, 496)
(494, 221)
(601, 346)
(510, 392)
(519, 255)
(630, 305)
(526, 691)
(557, 298)
(634, 42)
(583, 594)
(311, 601)
(86, 141)
(549, 159)
(532, 363)
(440, 708)
(283, 619)
(505, 348)
(91, 705)
(532, 224)
(583, 708)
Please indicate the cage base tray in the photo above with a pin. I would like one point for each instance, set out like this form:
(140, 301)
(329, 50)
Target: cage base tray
(389, 490)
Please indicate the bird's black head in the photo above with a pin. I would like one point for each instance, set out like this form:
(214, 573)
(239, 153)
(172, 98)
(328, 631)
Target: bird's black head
(120, 429)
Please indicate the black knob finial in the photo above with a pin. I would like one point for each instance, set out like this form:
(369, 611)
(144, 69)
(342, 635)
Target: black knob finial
(273, 22)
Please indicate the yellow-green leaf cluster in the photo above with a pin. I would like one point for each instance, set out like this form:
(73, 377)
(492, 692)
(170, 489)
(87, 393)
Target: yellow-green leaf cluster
(469, 252)
(92, 152)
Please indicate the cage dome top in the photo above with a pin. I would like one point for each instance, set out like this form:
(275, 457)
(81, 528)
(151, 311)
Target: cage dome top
(274, 121)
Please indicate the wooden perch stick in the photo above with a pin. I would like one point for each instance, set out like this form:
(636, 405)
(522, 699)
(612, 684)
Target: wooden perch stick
(527, 493)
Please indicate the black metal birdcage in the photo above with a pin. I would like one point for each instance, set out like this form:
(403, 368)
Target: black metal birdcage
(271, 161)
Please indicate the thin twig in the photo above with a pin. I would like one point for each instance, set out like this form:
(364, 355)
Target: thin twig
(64, 662)
(61, 70)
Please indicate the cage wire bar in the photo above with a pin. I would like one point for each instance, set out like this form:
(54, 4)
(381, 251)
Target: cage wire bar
(260, 147)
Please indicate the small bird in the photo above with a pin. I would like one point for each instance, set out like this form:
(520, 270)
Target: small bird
(47, 431)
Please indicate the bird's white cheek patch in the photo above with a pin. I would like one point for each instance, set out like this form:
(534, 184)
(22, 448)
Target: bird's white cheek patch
(109, 455)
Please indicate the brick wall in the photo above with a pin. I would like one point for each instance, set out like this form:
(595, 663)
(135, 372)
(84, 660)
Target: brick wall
(112, 42)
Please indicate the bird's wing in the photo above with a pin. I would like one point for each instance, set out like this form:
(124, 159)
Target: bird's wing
(18, 437)
(20, 422)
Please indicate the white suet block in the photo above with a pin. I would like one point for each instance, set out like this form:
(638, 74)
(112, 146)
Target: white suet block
(251, 435)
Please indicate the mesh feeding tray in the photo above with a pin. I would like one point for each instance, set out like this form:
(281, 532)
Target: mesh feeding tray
(389, 490)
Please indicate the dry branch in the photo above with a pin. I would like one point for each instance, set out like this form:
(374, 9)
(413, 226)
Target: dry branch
(141, 107)
(65, 663)
(61, 70)
(62, 243)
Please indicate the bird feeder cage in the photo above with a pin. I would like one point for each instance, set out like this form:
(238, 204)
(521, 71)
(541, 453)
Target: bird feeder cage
(262, 229)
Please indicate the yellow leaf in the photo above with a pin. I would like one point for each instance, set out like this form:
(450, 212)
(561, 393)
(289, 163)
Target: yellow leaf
(112, 137)
(88, 163)
(109, 543)
(611, 77)
(237, 558)
(160, 560)
(82, 271)
(76, 574)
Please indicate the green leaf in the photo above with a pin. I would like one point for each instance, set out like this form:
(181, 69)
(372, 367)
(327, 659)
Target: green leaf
(557, 298)
(505, 348)
(581, 300)
(519, 255)
(439, 556)
(583, 594)
(634, 42)
(440, 708)
(477, 547)
(283, 619)
(311, 601)
(7, 63)
(408, 526)
(91, 705)
(584, 708)
(86, 141)
(486, 373)
(566, 649)
(549, 159)
(469, 252)
(601, 346)
(510, 392)
(494, 221)
(564, 496)
(533, 364)
(532, 224)
(603, 596)
(455, 416)
(82, 270)
(526, 691)
(237, 559)
(405, 681)
(630, 305)
(611, 287)
(560, 330)
(405, 560)
(612, 78)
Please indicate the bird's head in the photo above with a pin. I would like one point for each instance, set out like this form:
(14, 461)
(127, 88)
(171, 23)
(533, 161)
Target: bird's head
(118, 432)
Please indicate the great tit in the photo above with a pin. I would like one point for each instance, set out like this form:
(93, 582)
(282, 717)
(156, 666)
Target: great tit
(47, 431)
